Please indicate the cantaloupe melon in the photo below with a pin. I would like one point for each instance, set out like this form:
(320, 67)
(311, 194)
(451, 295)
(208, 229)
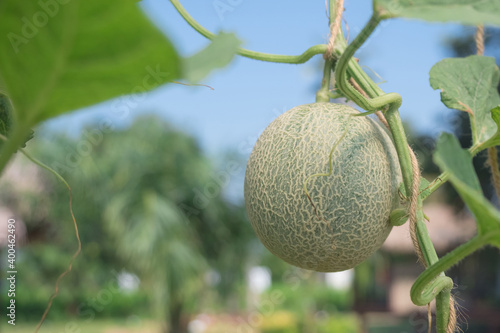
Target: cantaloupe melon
(353, 204)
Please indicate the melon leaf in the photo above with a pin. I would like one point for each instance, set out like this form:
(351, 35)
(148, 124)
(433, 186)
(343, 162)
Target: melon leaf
(460, 11)
(217, 54)
(63, 55)
(470, 84)
(495, 139)
(450, 157)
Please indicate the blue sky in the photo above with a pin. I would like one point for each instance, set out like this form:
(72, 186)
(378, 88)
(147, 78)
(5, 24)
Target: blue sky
(249, 94)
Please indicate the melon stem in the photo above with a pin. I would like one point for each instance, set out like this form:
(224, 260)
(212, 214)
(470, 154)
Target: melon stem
(389, 103)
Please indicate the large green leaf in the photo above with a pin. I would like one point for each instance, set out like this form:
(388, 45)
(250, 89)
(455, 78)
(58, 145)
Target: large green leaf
(471, 12)
(450, 157)
(217, 54)
(470, 84)
(61, 55)
(495, 139)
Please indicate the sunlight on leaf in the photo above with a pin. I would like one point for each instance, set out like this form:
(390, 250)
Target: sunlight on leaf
(470, 84)
(495, 139)
(218, 54)
(60, 57)
(460, 11)
(450, 157)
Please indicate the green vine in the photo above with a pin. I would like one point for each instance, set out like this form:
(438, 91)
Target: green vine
(286, 59)
(390, 103)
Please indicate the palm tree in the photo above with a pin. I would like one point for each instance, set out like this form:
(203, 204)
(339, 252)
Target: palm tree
(138, 192)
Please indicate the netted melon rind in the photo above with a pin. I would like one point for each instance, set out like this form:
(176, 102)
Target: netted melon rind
(353, 203)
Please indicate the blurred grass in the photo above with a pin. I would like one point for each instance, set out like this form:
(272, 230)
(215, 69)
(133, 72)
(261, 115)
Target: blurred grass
(94, 326)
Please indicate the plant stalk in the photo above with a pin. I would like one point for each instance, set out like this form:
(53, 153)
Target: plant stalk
(323, 94)
(390, 103)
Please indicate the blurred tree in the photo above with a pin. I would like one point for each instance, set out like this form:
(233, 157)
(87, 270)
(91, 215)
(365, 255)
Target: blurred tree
(148, 201)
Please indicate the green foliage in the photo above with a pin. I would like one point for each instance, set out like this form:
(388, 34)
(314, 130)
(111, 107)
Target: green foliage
(280, 322)
(458, 163)
(97, 293)
(132, 324)
(59, 57)
(470, 84)
(451, 157)
(339, 323)
(495, 139)
(147, 225)
(165, 204)
(283, 321)
(218, 54)
(84, 52)
(298, 300)
(461, 11)
(368, 285)
(288, 322)
(464, 45)
(145, 212)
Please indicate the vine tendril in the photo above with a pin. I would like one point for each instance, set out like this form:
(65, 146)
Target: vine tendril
(70, 265)
(286, 59)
